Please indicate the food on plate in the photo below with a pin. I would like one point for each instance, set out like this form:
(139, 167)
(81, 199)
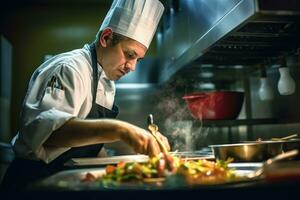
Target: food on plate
(161, 167)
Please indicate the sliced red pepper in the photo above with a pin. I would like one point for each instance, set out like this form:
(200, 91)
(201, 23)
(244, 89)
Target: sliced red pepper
(109, 169)
(161, 166)
(121, 164)
(169, 162)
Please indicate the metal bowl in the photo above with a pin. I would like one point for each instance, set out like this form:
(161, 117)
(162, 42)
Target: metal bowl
(215, 104)
(247, 152)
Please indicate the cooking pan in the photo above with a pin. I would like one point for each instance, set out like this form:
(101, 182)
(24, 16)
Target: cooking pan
(287, 144)
(290, 145)
(248, 152)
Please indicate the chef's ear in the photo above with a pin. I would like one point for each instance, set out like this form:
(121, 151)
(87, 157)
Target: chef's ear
(106, 37)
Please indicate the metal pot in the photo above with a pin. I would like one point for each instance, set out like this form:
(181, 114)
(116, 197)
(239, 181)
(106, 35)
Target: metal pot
(215, 104)
(248, 152)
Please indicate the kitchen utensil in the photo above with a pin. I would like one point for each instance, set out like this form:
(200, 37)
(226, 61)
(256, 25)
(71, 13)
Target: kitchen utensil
(270, 161)
(153, 128)
(248, 152)
(285, 138)
(215, 105)
(283, 172)
(291, 144)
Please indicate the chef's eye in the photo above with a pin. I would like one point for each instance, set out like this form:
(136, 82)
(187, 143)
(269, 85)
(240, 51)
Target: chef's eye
(130, 55)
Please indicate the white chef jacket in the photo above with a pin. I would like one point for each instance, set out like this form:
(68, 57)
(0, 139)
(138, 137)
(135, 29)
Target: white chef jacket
(48, 105)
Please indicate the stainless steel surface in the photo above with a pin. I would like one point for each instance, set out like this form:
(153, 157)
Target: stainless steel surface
(6, 57)
(145, 73)
(227, 32)
(247, 152)
(137, 91)
(6, 157)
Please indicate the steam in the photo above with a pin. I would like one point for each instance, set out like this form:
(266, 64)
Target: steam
(185, 137)
(177, 121)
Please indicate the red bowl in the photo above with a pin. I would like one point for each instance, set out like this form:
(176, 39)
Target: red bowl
(215, 105)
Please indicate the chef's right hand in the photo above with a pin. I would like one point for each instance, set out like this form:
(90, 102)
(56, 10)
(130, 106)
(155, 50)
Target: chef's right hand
(140, 140)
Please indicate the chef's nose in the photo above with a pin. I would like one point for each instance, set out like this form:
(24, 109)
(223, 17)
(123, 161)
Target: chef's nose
(130, 65)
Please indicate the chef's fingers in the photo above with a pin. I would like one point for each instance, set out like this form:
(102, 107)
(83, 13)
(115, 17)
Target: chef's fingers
(143, 142)
(164, 140)
(153, 147)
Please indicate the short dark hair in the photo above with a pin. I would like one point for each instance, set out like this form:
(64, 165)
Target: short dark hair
(116, 37)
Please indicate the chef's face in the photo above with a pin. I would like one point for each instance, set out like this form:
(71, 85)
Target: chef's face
(121, 58)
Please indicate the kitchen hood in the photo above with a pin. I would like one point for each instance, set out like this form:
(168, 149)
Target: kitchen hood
(226, 32)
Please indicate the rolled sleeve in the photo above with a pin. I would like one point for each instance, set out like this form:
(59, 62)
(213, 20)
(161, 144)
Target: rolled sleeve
(43, 114)
(39, 130)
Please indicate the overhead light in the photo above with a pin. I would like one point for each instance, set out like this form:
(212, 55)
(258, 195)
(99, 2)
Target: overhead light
(207, 66)
(286, 84)
(238, 66)
(206, 86)
(265, 91)
(206, 74)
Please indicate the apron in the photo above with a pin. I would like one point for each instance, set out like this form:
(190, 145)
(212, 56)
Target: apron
(21, 171)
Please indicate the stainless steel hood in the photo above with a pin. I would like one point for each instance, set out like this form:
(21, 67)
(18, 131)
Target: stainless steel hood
(227, 32)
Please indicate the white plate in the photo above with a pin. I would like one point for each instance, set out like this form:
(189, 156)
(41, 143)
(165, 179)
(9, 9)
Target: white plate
(106, 160)
(97, 161)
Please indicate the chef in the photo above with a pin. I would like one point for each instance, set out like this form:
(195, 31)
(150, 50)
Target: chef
(69, 107)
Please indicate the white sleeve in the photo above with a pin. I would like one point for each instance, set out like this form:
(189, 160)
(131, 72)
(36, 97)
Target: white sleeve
(47, 107)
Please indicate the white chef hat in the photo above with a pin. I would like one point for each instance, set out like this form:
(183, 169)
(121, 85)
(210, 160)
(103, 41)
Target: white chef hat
(136, 19)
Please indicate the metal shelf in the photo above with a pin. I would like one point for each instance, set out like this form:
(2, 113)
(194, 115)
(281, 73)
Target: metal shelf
(246, 122)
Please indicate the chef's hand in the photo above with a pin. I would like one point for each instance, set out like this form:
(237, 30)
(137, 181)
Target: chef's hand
(164, 140)
(141, 140)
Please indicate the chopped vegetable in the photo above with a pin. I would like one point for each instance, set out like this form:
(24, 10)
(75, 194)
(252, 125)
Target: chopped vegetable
(160, 167)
